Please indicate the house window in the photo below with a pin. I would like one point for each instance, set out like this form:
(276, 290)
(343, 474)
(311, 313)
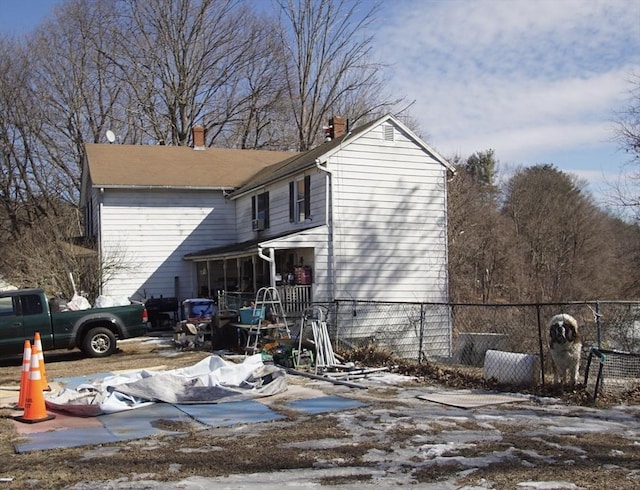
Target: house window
(89, 217)
(260, 208)
(300, 200)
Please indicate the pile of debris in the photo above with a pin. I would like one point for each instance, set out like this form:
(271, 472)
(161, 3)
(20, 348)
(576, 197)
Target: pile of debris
(314, 356)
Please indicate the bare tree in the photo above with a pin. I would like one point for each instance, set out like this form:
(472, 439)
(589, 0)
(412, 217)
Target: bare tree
(328, 46)
(480, 259)
(261, 121)
(559, 235)
(179, 60)
(626, 192)
(24, 191)
(74, 87)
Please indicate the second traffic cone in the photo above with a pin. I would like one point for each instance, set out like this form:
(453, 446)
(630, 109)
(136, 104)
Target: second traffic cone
(34, 406)
(37, 342)
(24, 377)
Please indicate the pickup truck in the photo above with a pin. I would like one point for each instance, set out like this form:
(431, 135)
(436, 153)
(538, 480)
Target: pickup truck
(94, 331)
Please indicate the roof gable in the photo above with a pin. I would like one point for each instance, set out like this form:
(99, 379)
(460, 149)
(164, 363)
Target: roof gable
(321, 153)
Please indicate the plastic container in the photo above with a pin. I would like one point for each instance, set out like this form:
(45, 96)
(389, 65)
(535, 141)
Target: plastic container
(247, 316)
(511, 367)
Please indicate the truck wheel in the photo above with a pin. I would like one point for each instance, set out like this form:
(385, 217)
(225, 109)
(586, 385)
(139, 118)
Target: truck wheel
(99, 342)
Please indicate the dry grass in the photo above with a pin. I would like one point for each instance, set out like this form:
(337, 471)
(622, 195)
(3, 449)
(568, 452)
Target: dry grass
(458, 376)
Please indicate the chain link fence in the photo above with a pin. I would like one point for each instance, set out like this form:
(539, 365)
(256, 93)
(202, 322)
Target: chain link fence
(512, 337)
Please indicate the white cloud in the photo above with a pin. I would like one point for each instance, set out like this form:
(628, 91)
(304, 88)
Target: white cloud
(522, 77)
(516, 117)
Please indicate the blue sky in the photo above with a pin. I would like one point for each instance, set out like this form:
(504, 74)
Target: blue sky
(538, 81)
(20, 16)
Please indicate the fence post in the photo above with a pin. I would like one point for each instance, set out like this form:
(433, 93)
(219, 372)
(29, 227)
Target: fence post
(337, 322)
(597, 315)
(541, 344)
(421, 336)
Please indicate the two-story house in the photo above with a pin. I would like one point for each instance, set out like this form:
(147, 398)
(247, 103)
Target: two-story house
(361, 217)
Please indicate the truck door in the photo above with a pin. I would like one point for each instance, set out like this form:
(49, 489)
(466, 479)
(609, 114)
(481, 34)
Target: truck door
(35, 318)
(11, 326)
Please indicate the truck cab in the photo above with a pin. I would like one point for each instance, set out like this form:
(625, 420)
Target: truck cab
(21, 315)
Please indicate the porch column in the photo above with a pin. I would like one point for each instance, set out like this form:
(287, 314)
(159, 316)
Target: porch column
(224, 269)
(253, 266)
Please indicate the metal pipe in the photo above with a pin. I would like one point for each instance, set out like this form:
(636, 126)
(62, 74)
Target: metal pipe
(272, 264)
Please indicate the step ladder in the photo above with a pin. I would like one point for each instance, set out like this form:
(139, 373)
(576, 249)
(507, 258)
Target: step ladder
(272, 321)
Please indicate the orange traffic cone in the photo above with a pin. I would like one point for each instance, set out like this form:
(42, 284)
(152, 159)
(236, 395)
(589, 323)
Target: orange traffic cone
(34, 406)
(37, 342)
(24, 378)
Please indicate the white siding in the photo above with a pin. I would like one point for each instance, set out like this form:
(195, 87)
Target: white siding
(390, 235)
(279, 208)
(316, 239)
(147, 233)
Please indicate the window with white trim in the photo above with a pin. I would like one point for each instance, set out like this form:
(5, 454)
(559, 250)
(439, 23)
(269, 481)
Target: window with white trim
(300, 200)
(260, 208)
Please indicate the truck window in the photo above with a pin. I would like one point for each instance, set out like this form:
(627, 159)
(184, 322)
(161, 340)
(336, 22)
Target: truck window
(31, 304)
(6, 306)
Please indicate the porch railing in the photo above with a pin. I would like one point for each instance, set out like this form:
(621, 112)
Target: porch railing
(295, 299)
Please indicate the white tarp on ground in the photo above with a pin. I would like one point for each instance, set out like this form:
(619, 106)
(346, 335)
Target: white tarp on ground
(212, 380)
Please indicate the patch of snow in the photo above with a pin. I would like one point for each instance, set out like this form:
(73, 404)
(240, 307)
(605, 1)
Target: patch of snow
(550, 485)
(391, 379)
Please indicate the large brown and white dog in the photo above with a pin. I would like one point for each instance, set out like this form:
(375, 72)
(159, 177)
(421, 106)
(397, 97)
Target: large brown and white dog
(565, 347)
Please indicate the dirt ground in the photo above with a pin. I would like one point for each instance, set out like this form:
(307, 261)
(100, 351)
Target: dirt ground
(396, 439)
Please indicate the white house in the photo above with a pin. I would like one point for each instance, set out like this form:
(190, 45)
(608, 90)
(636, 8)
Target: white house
(360, 217)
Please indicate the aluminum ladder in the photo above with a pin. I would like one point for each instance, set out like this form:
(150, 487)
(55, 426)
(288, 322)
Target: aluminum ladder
(272, 321)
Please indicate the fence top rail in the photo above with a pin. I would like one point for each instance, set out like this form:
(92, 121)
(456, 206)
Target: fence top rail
(603, 353)
(559, 303)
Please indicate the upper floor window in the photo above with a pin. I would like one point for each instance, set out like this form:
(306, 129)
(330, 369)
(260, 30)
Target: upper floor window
(300, 200)
(260, 208)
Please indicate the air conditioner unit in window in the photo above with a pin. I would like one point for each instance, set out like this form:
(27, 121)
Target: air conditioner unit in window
(257, 225)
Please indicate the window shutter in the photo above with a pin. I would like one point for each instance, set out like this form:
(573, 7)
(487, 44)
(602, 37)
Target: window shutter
(292, 202)
(307, 196)
(266, 209)
(253, 207)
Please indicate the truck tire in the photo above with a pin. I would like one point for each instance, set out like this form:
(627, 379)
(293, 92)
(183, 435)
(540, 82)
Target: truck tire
(99, 342)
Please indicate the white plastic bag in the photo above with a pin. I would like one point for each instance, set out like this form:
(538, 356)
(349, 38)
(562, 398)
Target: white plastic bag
(103, 302)
(78, 303)
(108, 301)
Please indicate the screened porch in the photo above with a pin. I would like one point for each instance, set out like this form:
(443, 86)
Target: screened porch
(233, 280)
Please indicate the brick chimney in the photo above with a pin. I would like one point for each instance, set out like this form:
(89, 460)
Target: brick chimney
(337, 127)
(198, 137)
